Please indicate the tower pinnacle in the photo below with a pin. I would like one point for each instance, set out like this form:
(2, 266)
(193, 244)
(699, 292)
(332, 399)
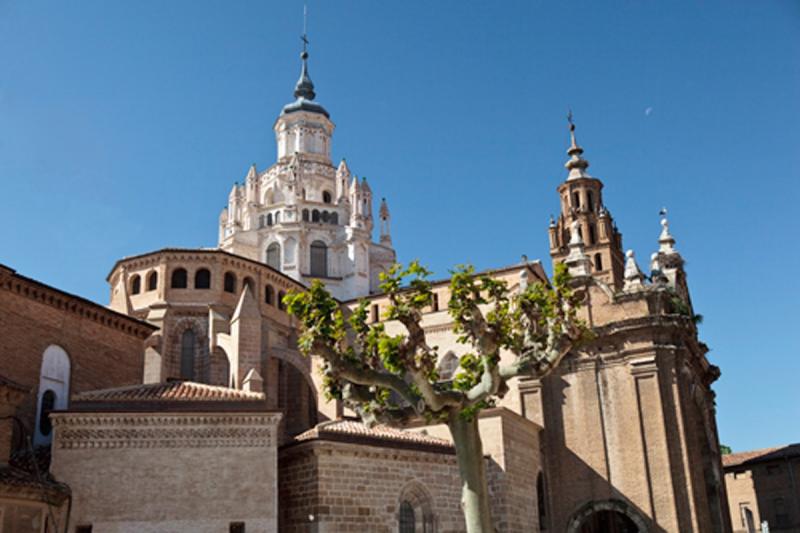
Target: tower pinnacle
(304, 88)
(576, 165)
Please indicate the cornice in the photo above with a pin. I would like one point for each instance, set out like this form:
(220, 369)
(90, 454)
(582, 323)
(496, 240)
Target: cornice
(73, 304)
(108, 430)
(176, 255)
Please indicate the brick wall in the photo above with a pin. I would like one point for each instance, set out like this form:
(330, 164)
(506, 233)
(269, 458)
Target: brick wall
(344, 487)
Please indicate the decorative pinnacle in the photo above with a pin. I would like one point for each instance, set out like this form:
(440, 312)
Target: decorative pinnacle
(576, 164)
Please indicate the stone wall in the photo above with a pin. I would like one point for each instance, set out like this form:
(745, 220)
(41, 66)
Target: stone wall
(157, 472)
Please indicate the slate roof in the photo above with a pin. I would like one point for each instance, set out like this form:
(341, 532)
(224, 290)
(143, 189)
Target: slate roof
(355, 431)
(761, 456)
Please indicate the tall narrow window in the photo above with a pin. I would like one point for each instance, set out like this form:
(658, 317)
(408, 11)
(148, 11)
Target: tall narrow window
(269, 219)
(319, 259)
(590, 200)
(179, 278)
(277, 217)
(54, 380)
(305, 215)
(576, 200)
(269, 295)
(592, 234)
(202, 279)
(315, 216)
(405, 518)
(435, 302)
(335, 219)
(598, 262)
(230, 282)
(274, 255)
(152, 281)
(187, 354)
(376, 314)
(136, 284)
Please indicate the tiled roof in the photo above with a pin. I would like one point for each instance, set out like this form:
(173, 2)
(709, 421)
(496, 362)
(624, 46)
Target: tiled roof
(759, 456)
(356, 431)
(173, 391)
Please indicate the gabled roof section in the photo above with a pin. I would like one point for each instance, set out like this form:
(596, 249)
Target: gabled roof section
(761, 456)
(169, 396)
(173, 391)
(356, 432)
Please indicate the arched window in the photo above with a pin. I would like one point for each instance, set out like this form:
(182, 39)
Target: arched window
(315, 216)
(179, 278)
(405, 518)
(274, 255)
(202, 279)
(152, 281)
(277, 217)
(319, 259)
(269, 219)
(269, 295)
(250, 284)
(281, 305)
(187, 354)
(598, 262)
(590, 200)
(54, 381)
(335, 219)
(326, 197)
(305, 215)
(576, 200)
(136, 284)
(230, 282)
(326, 216)
(592, 234)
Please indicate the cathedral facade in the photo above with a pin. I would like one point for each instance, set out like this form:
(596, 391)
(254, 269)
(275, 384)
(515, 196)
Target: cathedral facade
(220, 424)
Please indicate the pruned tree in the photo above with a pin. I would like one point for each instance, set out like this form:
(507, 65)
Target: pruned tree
(393, 379)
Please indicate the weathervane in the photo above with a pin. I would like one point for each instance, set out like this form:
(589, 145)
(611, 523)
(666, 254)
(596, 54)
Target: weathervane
(569, 119)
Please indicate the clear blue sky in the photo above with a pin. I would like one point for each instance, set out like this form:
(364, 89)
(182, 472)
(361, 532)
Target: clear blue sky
(124, 124)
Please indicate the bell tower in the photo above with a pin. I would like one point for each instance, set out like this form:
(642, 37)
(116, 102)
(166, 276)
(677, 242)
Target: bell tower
(582, 208)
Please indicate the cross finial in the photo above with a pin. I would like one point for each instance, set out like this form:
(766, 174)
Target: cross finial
(569, 119)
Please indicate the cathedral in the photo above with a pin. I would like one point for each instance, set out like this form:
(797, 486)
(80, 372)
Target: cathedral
(185, 405)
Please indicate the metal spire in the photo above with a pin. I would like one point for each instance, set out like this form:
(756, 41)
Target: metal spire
(304, 87)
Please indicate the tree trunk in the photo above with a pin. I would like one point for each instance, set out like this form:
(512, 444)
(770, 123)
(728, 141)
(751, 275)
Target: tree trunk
(472, 467)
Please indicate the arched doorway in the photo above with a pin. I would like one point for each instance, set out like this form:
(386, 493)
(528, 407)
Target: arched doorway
(610, 516)
(607, 521)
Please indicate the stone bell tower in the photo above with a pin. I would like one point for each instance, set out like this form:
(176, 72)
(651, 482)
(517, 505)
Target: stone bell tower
(582, 207)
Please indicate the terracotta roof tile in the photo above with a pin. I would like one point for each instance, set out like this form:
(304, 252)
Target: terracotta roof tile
(762, 455)
(356, 430)
(173, 391)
